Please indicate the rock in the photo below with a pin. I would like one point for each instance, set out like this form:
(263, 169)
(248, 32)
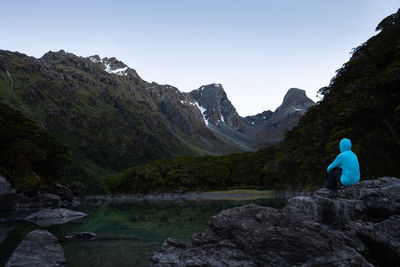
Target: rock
(52, 199)
(78, 189)
(64, 192)
(48, 217)
(381, 239)
(39, 248)
(81, 236)
(8, 197)
(371, 199)
(354, 226)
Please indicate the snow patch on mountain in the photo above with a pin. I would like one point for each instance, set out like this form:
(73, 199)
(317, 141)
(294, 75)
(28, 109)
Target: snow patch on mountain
(120, 71)
(94, 59)
(202, 110)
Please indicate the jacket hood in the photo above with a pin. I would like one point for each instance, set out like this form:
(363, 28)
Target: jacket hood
(345, 144)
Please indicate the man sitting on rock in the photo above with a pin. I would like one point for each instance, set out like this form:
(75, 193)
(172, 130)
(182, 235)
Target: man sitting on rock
(345, 168)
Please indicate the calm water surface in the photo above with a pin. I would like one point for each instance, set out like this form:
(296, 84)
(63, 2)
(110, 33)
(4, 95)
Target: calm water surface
(127, 232)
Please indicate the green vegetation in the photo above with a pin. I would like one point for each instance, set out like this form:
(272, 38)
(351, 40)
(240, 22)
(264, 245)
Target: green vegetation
(29, 156)
(361, 103)
(191, 174)
(107, 123)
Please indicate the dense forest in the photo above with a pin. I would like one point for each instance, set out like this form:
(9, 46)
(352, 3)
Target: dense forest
(362, 102)
(30, 156)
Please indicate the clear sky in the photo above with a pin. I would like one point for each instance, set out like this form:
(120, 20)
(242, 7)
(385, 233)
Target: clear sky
(257, 49)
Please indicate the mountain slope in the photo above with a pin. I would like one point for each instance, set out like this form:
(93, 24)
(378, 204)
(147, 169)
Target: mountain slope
(111, 119)
(29, 156)
(107, 115)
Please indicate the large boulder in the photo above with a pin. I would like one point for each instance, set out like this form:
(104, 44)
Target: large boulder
(355, 226)
(48, 217)
(8, 197)
(64, 192)
(51, 199)
(369, 200)
(39, 248)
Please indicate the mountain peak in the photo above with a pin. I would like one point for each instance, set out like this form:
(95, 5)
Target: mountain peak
(295, 100)
(58, 55)
(111, 65)
(286, 116)
(217, 107)
(212, 87)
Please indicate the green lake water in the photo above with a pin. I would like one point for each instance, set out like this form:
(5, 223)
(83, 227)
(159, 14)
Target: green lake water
(127, 232)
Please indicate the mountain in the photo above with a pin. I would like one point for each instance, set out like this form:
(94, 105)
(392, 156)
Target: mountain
(111, 119)
(220, 115)
(108, 117)
(255, 131)
(216, 107)
(285, 117)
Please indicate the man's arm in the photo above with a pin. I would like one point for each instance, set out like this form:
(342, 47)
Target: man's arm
(337, 162)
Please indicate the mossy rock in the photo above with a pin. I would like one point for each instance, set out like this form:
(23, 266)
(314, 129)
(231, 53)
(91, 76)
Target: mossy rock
(28, 181)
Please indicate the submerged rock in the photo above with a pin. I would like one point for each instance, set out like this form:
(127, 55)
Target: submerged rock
(38, 248)
(81, 236)
(355, 226)
(48, 217)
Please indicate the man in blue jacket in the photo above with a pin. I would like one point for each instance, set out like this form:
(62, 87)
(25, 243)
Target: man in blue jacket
(345, 168)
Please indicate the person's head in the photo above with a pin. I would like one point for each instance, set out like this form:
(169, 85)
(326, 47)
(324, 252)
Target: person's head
(345, 144)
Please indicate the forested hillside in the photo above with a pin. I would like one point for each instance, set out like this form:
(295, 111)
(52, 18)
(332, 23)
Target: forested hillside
(29, 156)
(362, 102)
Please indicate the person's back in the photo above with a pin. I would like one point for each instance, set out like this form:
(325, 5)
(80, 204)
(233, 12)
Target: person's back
(347, 161)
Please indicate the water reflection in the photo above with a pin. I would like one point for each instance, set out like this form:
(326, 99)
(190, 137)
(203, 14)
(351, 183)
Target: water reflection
(128, 231)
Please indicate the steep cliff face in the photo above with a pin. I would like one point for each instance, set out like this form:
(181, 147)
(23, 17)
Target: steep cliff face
(216, 106)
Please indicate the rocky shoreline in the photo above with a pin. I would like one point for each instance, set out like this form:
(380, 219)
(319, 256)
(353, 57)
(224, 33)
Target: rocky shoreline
(354, 226)
(58, 195)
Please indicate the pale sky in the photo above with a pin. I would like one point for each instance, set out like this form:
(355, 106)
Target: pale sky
(256, 49)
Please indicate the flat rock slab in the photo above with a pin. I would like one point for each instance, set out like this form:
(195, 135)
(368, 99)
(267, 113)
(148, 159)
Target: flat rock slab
(38, 248)
(48, 217)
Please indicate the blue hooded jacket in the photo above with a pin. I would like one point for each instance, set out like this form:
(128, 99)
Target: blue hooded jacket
(348, 162)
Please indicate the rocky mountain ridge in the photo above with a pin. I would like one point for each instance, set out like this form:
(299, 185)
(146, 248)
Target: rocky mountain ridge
(254, 131)
(111, 119)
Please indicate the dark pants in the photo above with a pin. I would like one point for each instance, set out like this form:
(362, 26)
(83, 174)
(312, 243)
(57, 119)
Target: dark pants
(333, 178)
